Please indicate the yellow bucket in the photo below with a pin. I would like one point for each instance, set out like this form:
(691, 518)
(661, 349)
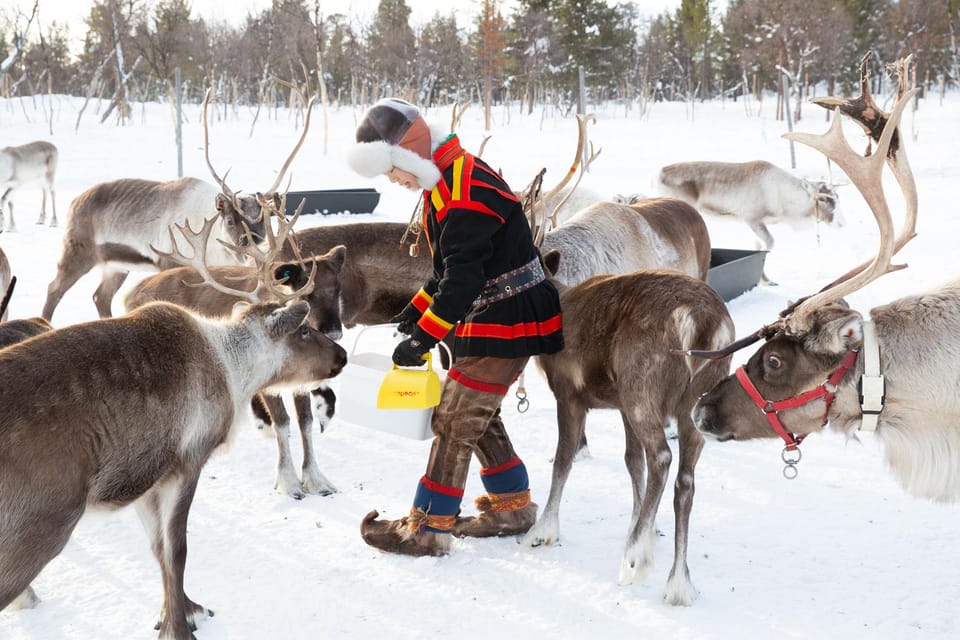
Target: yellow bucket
(410, 388)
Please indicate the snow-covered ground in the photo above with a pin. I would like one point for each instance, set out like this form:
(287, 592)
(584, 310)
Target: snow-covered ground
(840, 552)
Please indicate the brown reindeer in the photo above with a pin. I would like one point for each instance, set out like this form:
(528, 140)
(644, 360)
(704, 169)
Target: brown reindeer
(25, 164)
(116, 225)
(199, 290)
(133, 407)
(621, 333)
(894, 372)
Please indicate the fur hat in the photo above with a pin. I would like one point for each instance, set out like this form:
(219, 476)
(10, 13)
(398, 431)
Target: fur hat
(394, 134)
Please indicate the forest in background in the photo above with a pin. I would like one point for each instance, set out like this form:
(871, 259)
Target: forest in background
(536, 54)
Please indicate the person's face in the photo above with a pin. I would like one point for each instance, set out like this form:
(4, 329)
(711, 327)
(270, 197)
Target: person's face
(403, 178)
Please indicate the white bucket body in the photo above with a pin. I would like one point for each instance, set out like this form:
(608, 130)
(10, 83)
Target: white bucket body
(357, 398)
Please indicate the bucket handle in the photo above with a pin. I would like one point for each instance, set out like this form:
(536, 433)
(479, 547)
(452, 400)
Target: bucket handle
(393, 325)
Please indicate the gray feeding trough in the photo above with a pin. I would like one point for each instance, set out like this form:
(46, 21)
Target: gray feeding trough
(330, 201)
(735, 271)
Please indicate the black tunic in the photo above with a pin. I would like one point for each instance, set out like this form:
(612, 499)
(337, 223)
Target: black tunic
(477, 231)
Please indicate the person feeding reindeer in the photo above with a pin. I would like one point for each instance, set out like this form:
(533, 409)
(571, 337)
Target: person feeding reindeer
(488, 285)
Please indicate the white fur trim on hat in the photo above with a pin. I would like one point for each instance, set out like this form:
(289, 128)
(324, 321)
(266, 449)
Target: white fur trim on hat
(376, 158)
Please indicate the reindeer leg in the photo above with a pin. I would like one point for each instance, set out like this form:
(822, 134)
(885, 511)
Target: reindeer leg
(53, 201)
(637, 468)
(646, 431)
(6, 203)
(765, 243)
(680, 590)
(571, 417)
(287, 481)
(109, 285)
(312, 480)
(163, 511)
(261, 416)
(28, 541)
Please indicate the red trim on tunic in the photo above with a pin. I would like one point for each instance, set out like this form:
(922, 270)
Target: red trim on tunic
(434, 325)
(469, 205)
(509, 331)
(447, 152)
(486, 185)
(421, 301)
(507, 194)
(478, 385)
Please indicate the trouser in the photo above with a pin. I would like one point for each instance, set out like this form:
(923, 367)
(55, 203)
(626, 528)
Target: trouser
(467, 422)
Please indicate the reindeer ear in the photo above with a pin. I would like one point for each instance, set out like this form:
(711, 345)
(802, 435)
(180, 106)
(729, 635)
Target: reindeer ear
(239, 308)
(288, 272)
(336, 257)
(836, 329)
(288, 319)
(551, 261)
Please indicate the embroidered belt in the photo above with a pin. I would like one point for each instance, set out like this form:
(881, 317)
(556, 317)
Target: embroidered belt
(511, 283)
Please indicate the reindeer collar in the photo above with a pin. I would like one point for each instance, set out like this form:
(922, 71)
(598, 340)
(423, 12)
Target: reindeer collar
(871, 387)
(827, 390)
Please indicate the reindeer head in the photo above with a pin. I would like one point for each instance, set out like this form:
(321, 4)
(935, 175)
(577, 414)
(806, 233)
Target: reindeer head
(825, 202)
(813, 348)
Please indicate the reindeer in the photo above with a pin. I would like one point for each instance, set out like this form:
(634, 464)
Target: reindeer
(116, 225)
(756, 193)
(26, 164)
(619, 332)
(197, 286)
(611, 238)
(894, 372)
(133, 407)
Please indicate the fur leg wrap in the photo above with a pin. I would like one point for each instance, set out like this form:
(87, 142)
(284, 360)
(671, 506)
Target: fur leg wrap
(435, 507)
(507, 485)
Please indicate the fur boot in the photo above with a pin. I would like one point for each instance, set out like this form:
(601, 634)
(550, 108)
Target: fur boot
(404, 536)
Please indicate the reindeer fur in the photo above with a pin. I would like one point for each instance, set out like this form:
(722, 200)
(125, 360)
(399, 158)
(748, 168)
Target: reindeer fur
(920, 363)
(611, 238)
(184, 286)
(619, 332)
(132, 408)
(114, 224)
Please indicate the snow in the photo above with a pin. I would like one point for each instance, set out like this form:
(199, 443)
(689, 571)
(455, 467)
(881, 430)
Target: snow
(839, 552)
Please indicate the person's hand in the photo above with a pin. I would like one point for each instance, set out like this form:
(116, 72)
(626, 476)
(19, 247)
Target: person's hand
(410, 352)
(405, 324)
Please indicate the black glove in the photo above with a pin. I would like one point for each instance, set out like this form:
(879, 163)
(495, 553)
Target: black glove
(405, 324)
(410, 352)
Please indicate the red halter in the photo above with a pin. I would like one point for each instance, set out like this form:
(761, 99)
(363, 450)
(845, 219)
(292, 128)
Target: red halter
(827, 391)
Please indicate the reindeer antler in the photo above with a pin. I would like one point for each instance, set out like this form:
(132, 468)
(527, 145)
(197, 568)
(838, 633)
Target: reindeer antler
(582, 121)
(275, 241)
(198, 240)
(283, 169)
(206, 155)
(865, 112)
(865, 173)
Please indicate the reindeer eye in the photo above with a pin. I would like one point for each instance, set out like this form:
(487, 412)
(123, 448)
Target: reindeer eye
(304, 331)
(774, 362)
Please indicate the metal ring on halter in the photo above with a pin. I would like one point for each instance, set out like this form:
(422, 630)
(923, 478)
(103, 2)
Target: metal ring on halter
(523, 404)
(790, 470)
(786, 452)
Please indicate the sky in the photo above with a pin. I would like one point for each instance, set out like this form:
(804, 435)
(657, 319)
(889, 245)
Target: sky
(840, 553)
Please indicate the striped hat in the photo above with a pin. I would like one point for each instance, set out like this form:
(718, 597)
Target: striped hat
(392, 134)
